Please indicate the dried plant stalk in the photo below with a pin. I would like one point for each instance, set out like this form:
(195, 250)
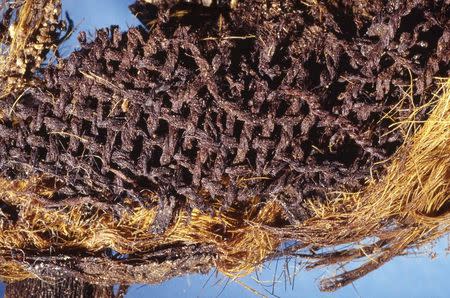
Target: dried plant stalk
(31, 34)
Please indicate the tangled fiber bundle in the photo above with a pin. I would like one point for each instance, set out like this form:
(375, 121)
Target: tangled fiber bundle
(227, 238)
(26, 35)
(148, 155)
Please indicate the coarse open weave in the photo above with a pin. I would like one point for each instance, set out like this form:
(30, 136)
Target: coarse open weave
(278, 105)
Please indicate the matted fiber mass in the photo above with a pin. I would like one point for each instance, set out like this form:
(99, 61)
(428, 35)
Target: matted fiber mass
(281, 100)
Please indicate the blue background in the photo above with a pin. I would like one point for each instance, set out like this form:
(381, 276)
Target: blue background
(408, 276)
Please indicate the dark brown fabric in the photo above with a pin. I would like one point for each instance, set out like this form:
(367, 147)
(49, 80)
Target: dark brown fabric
(61, 288)
(280, 100)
